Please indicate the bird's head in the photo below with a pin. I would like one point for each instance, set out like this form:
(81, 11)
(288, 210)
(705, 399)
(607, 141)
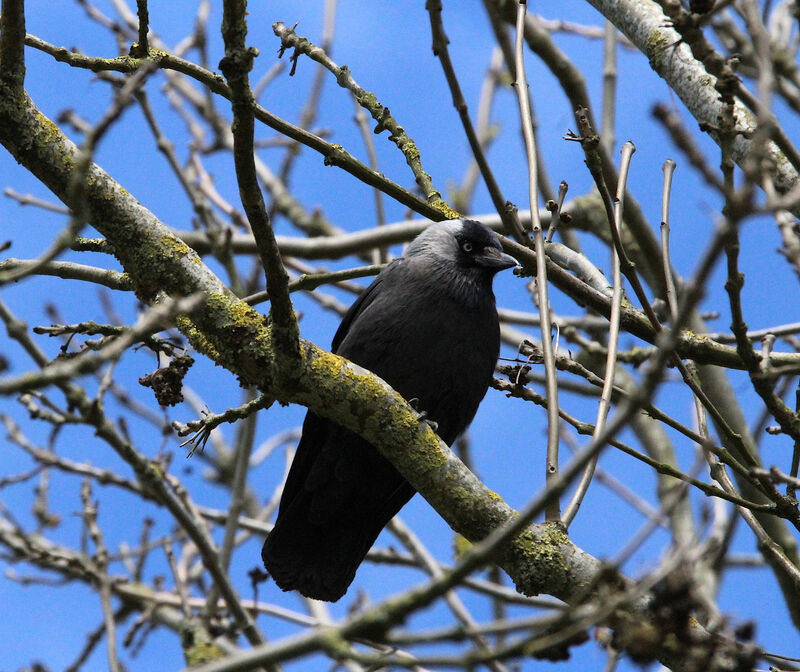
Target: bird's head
(461, 244)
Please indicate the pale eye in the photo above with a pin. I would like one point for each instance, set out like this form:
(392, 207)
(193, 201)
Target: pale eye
(467, 247)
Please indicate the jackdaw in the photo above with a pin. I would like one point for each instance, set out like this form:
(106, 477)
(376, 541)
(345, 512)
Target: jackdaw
(428, 326)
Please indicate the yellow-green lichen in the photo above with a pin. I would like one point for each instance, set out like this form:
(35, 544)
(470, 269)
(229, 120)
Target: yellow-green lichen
(262, 339)
(203, 652)
(243, 312)
(232, 313)
(369, 101)
(433, 458)
(198, 645)
(234, 335)
(196, 337)
(707, 80)
(461, 495)
(48, 137)
(655, 47)
(176, 245)
(327, 366)
(555, 534)
(543, 558)
(442, 206)
(461, 545)
(411, 152)
(155, 471)
(359, 402)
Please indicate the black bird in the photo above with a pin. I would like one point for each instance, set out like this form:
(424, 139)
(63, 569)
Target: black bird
(428, 326)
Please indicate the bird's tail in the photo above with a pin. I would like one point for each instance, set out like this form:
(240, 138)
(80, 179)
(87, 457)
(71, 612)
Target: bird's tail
(320, 560)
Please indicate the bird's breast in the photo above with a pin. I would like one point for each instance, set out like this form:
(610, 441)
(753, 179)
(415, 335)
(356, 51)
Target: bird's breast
(430, 347)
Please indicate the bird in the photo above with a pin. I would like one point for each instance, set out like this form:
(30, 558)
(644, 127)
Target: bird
(428, 326)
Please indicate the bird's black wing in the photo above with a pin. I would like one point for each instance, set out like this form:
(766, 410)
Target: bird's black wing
(311, 440)
(315, 428)
(340, 490)
(364, 299)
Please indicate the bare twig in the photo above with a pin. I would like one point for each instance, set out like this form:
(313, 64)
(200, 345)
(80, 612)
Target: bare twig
(381, 114)
(609, 86)
(551, 468)
(101, 558)
(440, 42)
(613, 339)
(154, 320)
(666, 262)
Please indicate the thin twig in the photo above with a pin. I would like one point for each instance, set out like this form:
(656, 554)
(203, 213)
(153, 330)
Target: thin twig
(382, 116)
(381, 254)
(243, 448)
(406, 535)
(772, 552)
(101, 558)
(666, 260)
(154, 320)
(310, 281)
(142, 47)
(334, 155)
(613, 339)
(30, 199)
(440, 42)
(551, 467)
(555, 212)
(609, 86)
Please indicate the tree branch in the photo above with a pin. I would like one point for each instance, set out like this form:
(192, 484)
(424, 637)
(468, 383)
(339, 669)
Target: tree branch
(236, 65)
(12, 44)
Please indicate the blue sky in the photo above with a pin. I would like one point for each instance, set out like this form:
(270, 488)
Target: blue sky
(387, 46)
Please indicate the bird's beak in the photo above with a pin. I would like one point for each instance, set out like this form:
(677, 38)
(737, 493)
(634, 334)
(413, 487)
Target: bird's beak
(495, 259)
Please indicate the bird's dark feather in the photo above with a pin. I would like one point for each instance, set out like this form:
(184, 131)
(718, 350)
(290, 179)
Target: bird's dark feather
(433, 341)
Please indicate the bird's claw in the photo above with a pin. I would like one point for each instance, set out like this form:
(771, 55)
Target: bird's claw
(422, 416)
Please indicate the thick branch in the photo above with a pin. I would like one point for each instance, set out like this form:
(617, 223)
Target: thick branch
(643, 23)
(236, 65)
(12, 44)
